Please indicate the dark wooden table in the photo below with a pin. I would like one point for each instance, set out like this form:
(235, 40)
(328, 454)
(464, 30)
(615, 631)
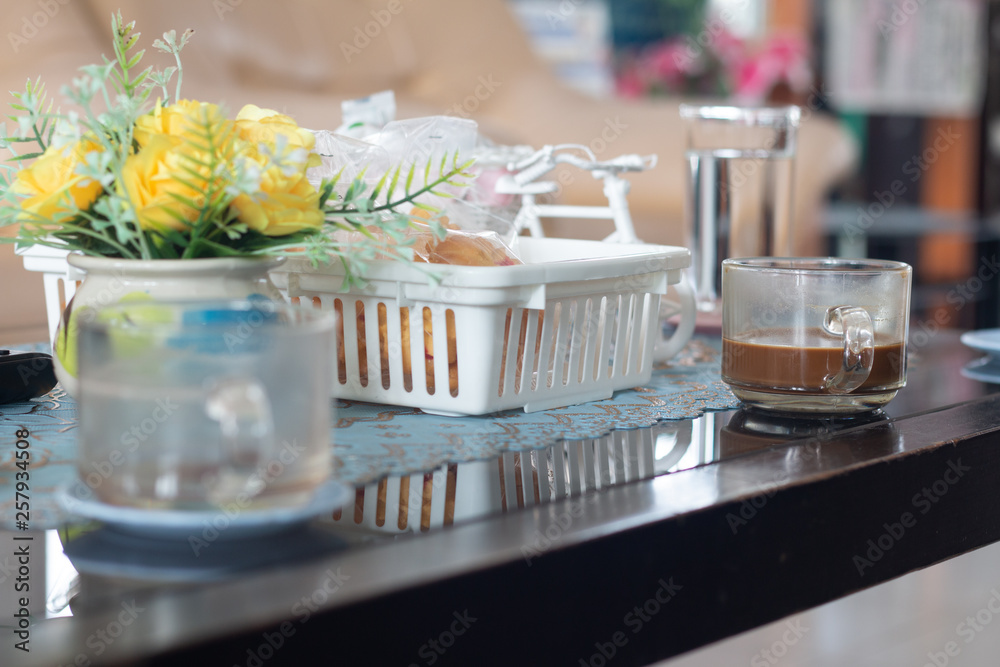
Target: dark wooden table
(786, 517)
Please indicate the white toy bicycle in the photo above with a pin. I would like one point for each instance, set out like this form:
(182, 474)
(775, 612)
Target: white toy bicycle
(678, 306)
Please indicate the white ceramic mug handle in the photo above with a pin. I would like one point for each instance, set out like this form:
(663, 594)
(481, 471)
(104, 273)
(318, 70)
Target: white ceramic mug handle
(241, 407)
(854, 325)
(666, 348)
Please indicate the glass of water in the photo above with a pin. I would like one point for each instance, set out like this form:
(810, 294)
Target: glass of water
(739, 188)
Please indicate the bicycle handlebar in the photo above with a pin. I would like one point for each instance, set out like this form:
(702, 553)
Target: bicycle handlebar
(544, 160)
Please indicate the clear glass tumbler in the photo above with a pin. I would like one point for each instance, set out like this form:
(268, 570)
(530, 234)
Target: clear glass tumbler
(739, 188)
(200, 405)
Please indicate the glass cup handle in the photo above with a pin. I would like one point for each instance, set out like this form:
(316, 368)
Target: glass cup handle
(684, 306)
(854, 325)
(241, 407)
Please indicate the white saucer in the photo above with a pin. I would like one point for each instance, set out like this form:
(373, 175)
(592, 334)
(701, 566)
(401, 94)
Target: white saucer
(984, 369)
(987, 340)
(78, 499)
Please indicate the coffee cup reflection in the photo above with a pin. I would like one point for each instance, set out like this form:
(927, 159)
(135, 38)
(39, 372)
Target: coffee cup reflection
(751, 429)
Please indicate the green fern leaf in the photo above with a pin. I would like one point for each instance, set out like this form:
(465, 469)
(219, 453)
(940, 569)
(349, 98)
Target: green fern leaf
(409, 180)
(378, 187)
(392, 184)
(134, 60)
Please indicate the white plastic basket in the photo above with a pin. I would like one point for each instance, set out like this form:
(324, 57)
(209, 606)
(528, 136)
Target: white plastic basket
(60, 285)
(591, 349)
(576, 322)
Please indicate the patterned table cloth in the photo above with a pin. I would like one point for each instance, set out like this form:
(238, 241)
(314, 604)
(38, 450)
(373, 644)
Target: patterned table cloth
(374, 441)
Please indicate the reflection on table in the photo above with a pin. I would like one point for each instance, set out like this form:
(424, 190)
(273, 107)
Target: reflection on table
(756, 445)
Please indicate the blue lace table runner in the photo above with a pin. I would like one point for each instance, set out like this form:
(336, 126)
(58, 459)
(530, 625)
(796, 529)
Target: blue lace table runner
(373, 441)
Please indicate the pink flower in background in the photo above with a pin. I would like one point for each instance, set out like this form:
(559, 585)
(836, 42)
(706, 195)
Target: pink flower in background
(728, 48)
(664, 66)
(628, 83)
(783, 59)
(717, 62)
(670, 62)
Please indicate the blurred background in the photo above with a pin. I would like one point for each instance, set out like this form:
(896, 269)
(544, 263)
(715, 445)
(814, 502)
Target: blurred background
(898, 156)
(916, 84)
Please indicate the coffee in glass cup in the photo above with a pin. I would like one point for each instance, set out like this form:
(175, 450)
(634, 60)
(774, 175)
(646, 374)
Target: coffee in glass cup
(815, 335)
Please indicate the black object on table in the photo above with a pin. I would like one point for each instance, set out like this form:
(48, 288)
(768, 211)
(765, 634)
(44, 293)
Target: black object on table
(25, 375)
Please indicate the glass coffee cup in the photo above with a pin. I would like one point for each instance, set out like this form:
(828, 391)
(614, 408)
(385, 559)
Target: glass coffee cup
(815, 335)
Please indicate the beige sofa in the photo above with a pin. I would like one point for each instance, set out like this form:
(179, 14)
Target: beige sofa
(439, 56)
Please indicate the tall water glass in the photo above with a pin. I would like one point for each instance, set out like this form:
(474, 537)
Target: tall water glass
(739, 188)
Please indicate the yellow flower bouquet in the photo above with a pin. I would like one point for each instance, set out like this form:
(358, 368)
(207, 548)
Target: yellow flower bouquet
(171, 178)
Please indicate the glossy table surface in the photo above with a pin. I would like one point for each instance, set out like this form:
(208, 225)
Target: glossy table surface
(744, 519)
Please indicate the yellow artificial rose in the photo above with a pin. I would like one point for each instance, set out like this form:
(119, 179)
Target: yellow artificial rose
(152, 179)
(53, 186)
(261, 126)
(287, 202)
(170, 140)
(176, 120)
(285, 205)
